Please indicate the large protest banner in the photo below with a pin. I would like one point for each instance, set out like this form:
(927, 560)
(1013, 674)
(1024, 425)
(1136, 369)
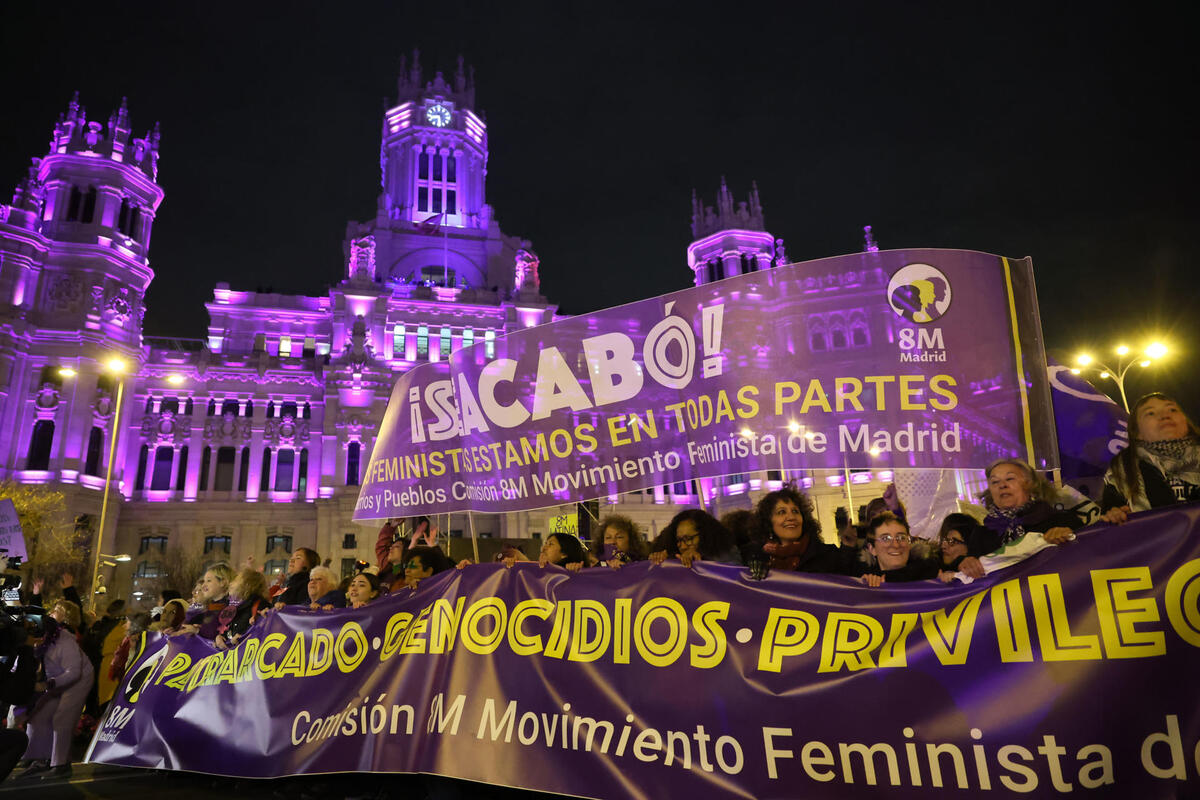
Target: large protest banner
(1073, 671)
(903, 359)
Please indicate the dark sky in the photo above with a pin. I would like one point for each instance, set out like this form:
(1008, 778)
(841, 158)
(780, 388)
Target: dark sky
(1064, 136)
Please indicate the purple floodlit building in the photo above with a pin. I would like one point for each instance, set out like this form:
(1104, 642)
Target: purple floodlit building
(252, 440)
(256, 436)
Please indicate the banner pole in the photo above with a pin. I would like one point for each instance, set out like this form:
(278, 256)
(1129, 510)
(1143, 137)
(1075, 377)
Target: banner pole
(700, 494)
(474, 538)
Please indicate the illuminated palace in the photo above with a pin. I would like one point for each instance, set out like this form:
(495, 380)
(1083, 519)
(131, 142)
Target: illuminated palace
(252, 440)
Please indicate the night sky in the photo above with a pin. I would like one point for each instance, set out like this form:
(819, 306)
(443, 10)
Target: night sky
(1065, 137)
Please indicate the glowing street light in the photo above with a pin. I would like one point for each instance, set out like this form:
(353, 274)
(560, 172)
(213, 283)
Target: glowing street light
(175, 379)
(66, 372)
(1126, 359)
(116, 366)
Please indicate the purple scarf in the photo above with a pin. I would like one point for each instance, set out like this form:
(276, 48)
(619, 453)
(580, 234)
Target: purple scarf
(1012, 523)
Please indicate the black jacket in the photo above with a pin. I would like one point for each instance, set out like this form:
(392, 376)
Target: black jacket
(1158, 491)
(296, 592)
(983, 540)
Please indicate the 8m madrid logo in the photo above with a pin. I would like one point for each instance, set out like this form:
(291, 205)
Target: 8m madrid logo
(920, 293)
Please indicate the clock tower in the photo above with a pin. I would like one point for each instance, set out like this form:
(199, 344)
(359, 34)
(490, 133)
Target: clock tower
(434, 153)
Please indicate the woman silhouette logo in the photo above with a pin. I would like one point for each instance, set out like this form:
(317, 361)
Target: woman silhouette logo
(919, 292)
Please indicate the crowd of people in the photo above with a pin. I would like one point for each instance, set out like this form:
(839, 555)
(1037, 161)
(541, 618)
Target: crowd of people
(79, 665)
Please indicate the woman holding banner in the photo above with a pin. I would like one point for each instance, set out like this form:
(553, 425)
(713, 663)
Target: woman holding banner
(619, 543)
(1160, 467)
(1015, 506)
(891, 543)
(695, 535)
(789, 537)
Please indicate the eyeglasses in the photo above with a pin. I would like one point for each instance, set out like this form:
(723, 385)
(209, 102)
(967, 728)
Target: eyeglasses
(949, 540)
(898, 538)
(414, 564)
(688, 540)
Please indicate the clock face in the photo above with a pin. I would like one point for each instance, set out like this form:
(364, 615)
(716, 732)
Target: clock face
(438, 115)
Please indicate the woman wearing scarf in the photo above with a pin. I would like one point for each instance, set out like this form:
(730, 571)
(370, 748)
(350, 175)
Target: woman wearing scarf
(1015, 507)
(1160, 467)
(789, 537)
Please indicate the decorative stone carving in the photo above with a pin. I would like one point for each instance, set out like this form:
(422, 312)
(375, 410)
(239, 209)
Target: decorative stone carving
(97, 299)
(48, 396)
(64, 293)
(526, 273)
(227, 428)
(104, 405)
(362, 258)
(117, 307)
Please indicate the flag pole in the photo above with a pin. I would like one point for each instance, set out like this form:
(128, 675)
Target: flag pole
(474, 538)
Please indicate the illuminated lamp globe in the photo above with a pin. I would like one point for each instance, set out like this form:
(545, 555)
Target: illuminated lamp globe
(1156, 350)
(1084, 360)
(66, 372)
(115, 365)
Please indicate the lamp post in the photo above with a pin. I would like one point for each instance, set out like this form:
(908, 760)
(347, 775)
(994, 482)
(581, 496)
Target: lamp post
(1126, 359)
(117, 367)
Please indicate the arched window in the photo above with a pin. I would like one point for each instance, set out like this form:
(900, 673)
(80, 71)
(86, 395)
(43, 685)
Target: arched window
(188, 407)
(91, 465)
(212, 407)
(352, 457)
(143, 457)
(39, 445)
(149, 405)
(816, 341)
(89, 205)
(73, 204)
(858, 335)
(270, 409)
(307, 411)
(302, 481)
(249, 408)
(838, 338)
(284, 466)
(205, 464)
(244, 473)
(223, 482)
(161, 479)
(264, 482)
(181, 478)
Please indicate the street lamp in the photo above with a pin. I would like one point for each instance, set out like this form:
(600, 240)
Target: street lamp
(1126, 359)
(117, 367)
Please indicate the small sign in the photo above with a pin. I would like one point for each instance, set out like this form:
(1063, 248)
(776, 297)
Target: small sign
(11, 538)
(564, 523)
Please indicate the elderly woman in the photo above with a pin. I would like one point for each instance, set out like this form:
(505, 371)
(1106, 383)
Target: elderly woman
(889, 541)
(323, 594)
(619, 542)
(364, 587)
(213, 596)
(788, 537)
(68, 678)
(695, 535)
(1160, 467)
(249, 589)
(1015, 506)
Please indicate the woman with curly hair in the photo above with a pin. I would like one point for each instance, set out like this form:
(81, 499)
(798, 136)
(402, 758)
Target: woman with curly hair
(789, 536)
(695, 535)
(1160, 467)
(619, 542)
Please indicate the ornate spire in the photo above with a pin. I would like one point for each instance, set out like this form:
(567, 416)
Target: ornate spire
(869, 245)
(747, 215)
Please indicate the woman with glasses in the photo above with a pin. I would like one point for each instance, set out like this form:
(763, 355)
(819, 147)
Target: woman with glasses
(694, 535)
(889, 541)
(424, 562)
(952, 539)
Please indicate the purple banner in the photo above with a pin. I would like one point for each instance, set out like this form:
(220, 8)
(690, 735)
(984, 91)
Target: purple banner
(1073, 670)
(1091, 427)
(901, 359)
